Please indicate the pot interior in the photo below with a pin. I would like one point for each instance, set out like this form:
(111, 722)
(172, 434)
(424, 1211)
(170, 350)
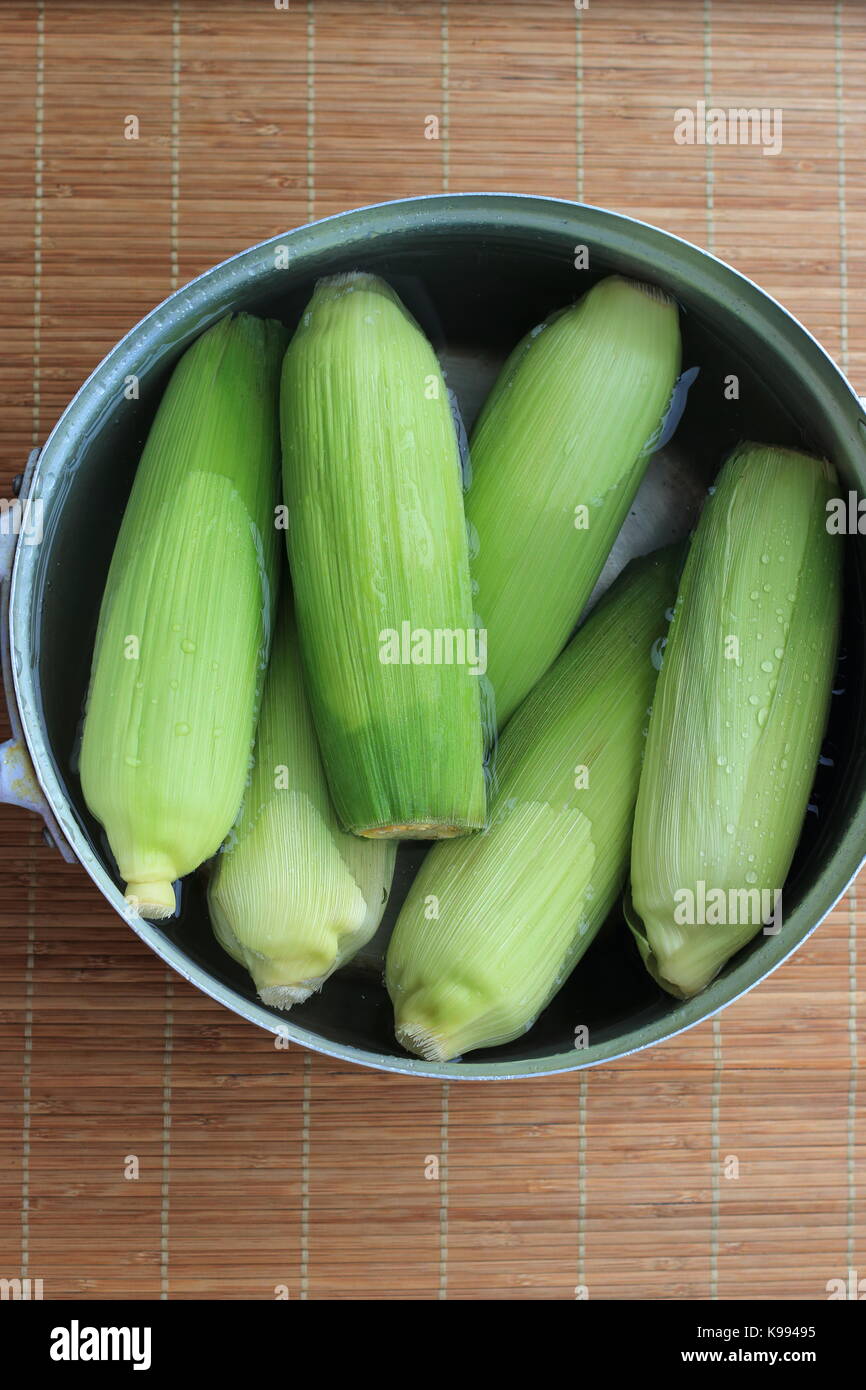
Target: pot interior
(475, 293)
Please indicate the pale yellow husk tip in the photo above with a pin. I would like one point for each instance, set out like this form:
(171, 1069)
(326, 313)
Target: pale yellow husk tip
(444, 1019)
(293, 896)
(284, 996)
(416, 1029)
(422, 1043)
(154, 900)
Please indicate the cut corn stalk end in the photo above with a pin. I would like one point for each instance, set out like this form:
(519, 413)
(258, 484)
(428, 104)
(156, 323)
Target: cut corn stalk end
(154, 901)
(418, 830)
(284, 996)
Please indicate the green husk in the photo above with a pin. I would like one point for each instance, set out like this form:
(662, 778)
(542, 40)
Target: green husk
(377, 540)
(293, 896)
(571, 424)
(493, 925)
(185, 622)
(738, 717)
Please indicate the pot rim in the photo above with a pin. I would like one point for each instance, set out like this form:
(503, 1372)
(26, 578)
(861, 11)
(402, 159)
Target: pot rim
(452, 211)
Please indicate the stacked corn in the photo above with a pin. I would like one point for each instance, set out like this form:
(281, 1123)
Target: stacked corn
(370, 728)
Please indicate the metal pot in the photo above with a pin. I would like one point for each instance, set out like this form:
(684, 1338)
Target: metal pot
(477, 270)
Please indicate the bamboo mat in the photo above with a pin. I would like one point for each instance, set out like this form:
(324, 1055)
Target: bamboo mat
(152, 1144)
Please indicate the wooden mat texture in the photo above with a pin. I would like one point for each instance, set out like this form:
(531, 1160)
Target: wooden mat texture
(266, 1173)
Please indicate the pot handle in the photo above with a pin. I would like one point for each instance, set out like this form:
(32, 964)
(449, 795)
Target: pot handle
(18, 782)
